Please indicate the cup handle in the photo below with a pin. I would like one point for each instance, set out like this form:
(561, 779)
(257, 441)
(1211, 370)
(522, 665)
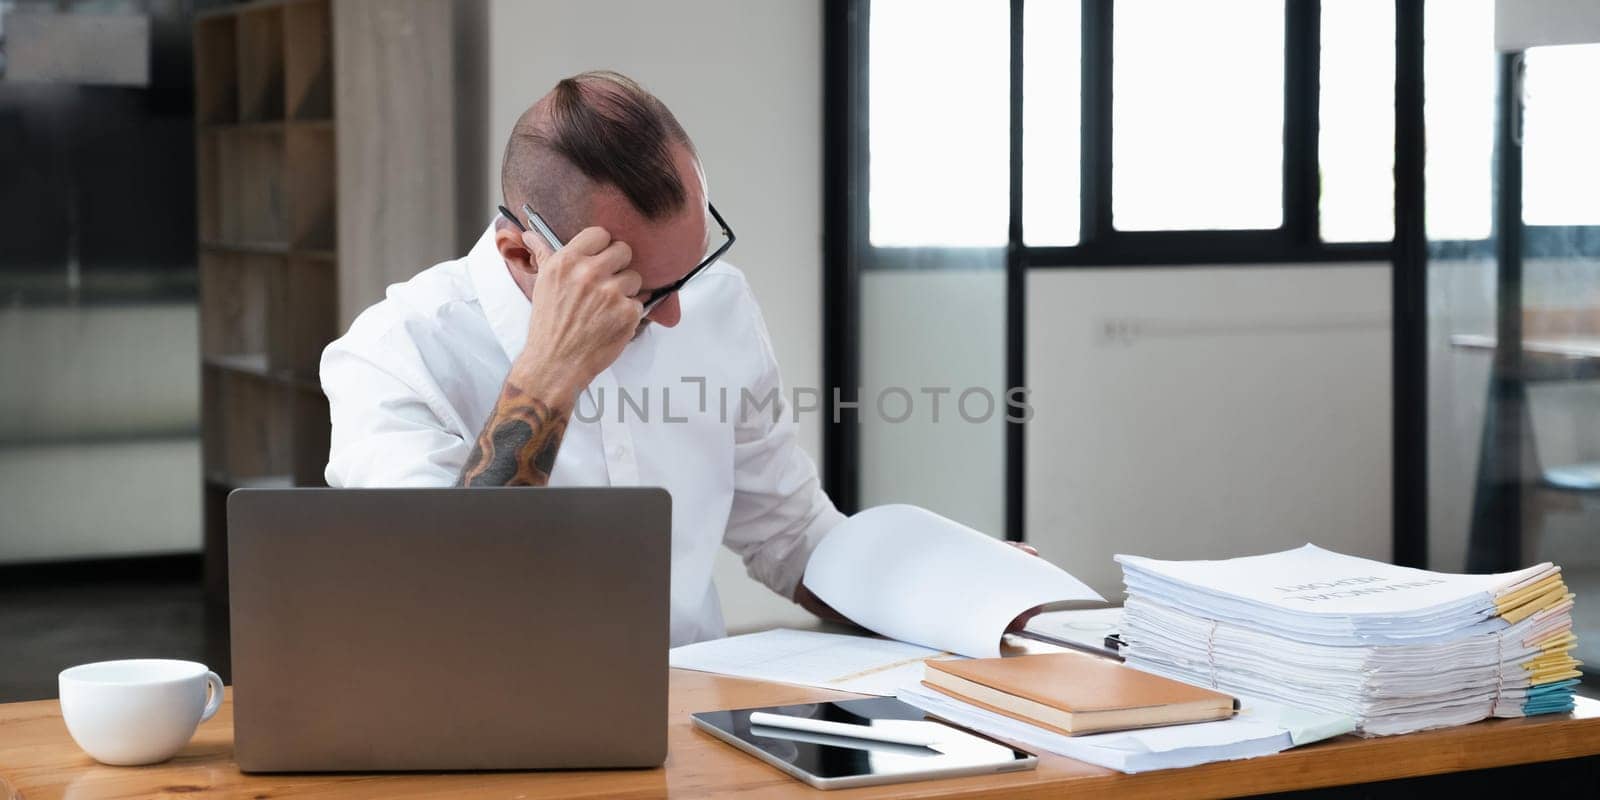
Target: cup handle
(214, 701)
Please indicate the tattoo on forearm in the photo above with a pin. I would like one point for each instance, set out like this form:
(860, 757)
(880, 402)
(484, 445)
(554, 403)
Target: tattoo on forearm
(518, 444)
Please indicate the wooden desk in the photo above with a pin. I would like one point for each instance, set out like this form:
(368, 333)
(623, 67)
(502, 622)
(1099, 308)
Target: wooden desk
(39, 760)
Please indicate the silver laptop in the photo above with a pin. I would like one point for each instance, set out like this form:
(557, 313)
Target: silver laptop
(449, 629)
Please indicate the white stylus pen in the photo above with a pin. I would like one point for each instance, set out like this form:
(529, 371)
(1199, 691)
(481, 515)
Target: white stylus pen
(839, 729)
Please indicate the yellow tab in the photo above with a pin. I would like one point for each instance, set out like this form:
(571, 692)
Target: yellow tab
(1565, 641)
(1546, 663)
(1544, 657)
(1550, 597)
(1556, 662)
(1550, 639)
(1514, 598)
(1537, 576)
(1556, 665)
(1534, 593)
(1560, 676)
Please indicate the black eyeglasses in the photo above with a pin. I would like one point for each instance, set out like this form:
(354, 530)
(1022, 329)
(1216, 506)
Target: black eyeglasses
(655, 296)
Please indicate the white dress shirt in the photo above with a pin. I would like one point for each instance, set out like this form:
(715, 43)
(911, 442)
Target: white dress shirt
(414, 380)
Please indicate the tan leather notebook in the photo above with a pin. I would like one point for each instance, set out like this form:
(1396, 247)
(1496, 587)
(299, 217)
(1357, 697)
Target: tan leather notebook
(1075, 693)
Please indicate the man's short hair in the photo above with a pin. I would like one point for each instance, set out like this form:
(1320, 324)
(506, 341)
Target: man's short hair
(593, 130)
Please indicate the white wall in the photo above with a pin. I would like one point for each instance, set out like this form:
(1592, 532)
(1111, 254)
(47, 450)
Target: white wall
(99, 439)
(87, 371)
(745, 79)
(1185, 412)
(1207, 413)
(935, 329)
(99, 499)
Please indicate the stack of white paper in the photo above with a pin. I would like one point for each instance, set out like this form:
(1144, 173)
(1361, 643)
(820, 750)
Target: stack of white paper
(1398, 649)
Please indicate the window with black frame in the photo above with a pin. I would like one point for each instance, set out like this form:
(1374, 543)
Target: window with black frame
(1147, 133)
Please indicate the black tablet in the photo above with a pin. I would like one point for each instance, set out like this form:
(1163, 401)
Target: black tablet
(836, 762)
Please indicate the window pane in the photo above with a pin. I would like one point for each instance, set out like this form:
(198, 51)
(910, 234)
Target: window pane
(1355, 148)
(1459, 108)
(1051, 134)
(939, 116)
(1561, 136)
(1197, 115)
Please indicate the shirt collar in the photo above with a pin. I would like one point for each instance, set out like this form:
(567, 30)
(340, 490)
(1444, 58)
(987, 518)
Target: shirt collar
(501, 299)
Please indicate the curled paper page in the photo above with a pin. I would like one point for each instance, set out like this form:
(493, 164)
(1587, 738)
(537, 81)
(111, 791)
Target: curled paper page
(912, 575)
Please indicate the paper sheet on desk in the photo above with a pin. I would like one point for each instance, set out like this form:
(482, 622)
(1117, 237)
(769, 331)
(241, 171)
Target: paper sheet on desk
(913, 575)
(860, 664)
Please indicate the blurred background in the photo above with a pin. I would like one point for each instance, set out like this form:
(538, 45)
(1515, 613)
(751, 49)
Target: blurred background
(1272, 271)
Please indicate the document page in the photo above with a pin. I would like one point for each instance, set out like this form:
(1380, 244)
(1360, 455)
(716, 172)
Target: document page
(912, 575)
(859, 664)
(1310, 580)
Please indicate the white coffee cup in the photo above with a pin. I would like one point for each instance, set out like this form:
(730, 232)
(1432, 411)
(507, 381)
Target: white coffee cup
(138, 711)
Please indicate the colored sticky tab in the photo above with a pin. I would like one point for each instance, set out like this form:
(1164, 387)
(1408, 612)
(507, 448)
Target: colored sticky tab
(1552, 688)
(1559, 676)
(1564, 642)
(1556, 635)
(1535, 574)
(1546, 659)
(1555, 706)
(1552, 595)
(1518, 596)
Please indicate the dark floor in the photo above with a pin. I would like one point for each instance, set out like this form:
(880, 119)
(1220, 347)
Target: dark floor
(46, 628)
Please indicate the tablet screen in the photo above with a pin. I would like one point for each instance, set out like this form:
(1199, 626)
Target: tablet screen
(821, 757)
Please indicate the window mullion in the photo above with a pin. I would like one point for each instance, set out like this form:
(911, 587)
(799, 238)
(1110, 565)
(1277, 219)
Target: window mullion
(1094, 180)
(1301, 87)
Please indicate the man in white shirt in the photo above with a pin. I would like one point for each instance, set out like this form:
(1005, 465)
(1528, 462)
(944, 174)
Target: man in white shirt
(456, 378)
(628, 356)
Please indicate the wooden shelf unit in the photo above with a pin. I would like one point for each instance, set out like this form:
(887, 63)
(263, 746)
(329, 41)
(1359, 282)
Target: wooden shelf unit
(304, 218)
(269, 268)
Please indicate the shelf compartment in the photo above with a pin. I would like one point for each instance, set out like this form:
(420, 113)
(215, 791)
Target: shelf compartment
(312, 172)
(312, 432)
(223, 481)
(267, 315)
(254, 417)
(216, 70)
(214, 541)
(211, 420)
(237, 297)
(208, 182)
(256, 248)
(308, 60)
(261, 67)
(250, 186)
(305, 317)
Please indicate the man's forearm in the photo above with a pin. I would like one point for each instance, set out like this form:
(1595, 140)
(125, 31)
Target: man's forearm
(518, 444)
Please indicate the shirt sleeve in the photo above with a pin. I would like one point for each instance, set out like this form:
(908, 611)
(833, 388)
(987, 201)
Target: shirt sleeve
(780, 512)
(386, 433)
